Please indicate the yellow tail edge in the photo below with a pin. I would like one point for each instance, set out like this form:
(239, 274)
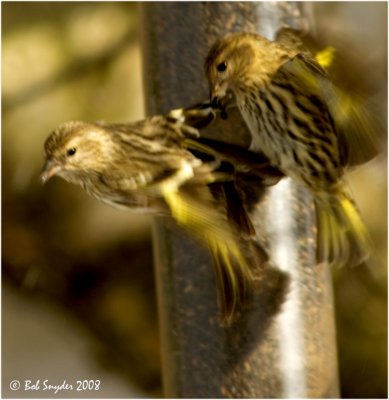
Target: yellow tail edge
(342, 236)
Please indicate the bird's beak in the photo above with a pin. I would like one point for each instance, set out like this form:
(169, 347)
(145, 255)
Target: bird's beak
(219, 99)
(215, 101)
(50, 169)
(218, 91)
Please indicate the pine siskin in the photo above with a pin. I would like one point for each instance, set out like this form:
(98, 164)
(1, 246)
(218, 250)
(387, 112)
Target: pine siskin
(298, 119)
(158, 164)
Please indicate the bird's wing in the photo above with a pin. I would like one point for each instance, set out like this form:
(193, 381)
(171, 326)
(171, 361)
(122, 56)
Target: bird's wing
(196, 210)
(237, 175)
(227, 193)
(290, 38)
(355, 124)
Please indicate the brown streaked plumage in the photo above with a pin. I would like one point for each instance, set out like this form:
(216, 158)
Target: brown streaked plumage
(159, 164)
(287, 102)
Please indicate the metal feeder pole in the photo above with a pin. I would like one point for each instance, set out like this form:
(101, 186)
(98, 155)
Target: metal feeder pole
(286, 348)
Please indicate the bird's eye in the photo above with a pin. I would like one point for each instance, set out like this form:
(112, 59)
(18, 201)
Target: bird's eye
(71, 151)
(222, 66)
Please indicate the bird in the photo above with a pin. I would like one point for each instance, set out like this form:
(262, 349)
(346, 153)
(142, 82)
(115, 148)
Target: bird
(160, 165)
(301, 122)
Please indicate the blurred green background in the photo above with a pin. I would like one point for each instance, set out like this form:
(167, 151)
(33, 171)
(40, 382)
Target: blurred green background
(78, 296)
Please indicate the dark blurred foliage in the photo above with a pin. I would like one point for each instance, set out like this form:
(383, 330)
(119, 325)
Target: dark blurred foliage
(64, 61)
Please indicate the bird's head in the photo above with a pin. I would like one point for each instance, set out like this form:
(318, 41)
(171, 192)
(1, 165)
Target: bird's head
(235, 62)
(75, 148)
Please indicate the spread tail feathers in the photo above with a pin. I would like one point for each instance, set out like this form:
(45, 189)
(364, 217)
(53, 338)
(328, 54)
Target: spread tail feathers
(199, 214)
(233, 279)
(342, 236)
